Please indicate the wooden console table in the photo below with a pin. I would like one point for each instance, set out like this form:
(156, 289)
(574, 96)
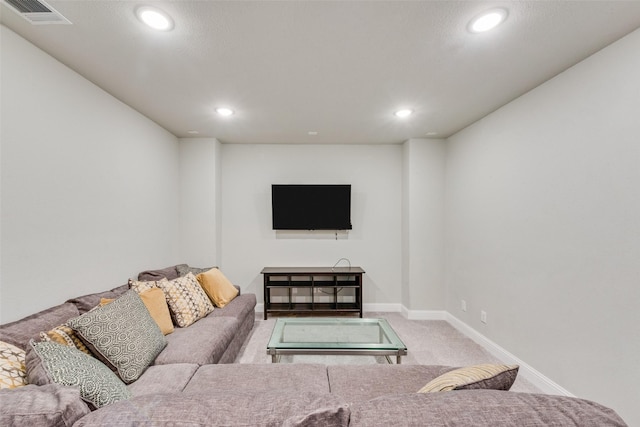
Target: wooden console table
(313, 290)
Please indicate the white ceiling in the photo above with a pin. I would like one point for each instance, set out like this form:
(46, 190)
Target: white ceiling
(339, 68)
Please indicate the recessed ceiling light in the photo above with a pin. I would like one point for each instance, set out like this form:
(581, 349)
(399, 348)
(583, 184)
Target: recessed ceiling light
(403, 113)
(154, 18)
(312, 133)
(224, 111)
(432, 133)
(193, 132)
(487, 20)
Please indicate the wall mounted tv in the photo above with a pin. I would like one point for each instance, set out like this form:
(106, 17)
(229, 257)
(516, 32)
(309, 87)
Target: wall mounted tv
(311, 207)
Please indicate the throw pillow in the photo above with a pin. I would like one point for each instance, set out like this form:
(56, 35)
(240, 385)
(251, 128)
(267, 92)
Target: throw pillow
(219, 289)
(187, 301)
(50, 362)
(487, 376)
(141, 286)
(13, 372)
(156, 303)
(122, 334)
(183, 269)
(64, 335)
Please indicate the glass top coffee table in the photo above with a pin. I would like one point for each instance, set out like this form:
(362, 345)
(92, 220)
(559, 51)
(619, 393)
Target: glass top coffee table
(335, 336)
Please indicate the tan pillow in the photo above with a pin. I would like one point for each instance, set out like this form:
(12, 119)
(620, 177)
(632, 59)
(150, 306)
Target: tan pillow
(187, 301)
(219, 289)
(156, 303)
(13, 372)
(487, 376)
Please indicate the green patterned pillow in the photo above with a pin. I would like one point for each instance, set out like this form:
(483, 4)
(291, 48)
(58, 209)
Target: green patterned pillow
(122, 334)
(487, 376)
(187, 300)
(50, 362)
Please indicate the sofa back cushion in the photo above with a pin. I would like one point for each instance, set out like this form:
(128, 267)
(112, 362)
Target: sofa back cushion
(168, 273)
(21, 331)
(87, 302)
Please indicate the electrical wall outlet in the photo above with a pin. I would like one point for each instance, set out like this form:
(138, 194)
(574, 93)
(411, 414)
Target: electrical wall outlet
(483, 316)
(463, 305)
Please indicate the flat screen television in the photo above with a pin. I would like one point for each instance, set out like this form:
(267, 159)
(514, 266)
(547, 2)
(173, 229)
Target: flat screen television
(311, 207)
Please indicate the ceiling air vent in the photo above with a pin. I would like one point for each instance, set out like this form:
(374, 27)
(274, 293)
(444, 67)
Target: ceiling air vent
(36, 12)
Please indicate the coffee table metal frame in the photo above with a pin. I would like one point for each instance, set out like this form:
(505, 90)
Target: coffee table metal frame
(388, 343)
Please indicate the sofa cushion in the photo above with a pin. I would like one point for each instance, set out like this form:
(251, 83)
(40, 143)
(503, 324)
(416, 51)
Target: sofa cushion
(50, 362)
(50, 405)
(21, 331)
(167, 378)
(263, 378)
(187, 301)
(122, 334)
(241, 307)
(486, 376)
(168, 273)
(217, 287)
(356, 383)
(481, 408)
(224, 409)
(88, 302)
(202, 343)
(13, 371)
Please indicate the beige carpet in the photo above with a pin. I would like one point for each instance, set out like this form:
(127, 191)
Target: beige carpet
(429, 342)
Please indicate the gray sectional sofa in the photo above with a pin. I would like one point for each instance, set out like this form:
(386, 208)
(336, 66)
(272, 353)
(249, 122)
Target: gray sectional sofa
(194, 382)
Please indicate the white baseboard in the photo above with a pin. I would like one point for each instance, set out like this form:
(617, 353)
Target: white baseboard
(530, 374)
(386, 308)
(424, 314)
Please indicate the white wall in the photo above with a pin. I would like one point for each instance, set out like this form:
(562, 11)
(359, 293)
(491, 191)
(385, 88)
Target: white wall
(200, 194)
(543, 227)
(249, 243)
(88, 185)
(423, 225)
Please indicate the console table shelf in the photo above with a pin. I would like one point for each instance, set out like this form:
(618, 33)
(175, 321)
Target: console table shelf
(313, 290)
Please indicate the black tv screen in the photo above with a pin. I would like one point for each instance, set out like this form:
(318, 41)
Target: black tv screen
(311, 207)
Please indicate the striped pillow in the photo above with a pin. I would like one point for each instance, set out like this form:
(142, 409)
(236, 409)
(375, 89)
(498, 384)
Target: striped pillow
(487, 376)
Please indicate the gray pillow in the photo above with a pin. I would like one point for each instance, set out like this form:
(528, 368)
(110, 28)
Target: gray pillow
(122, 334)
(53, 363)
